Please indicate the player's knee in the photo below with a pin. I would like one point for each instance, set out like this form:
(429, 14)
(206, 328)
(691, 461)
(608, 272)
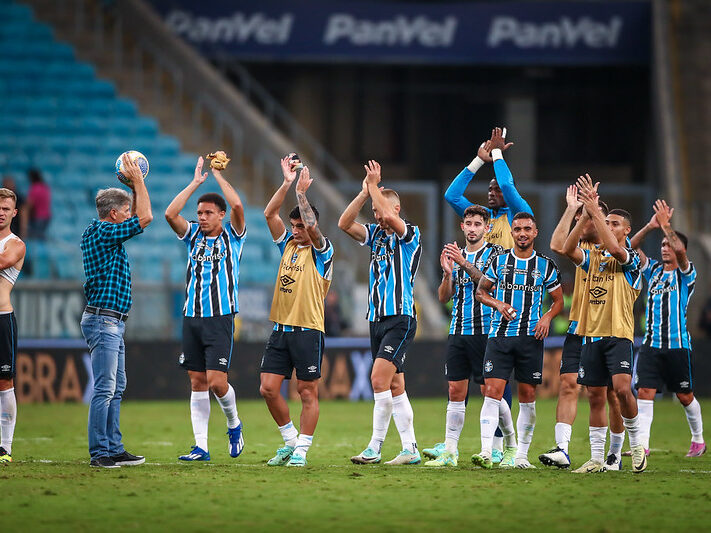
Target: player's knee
(457, 391)
(308, 392)
(268, 392)
(685, 398)
(568, 387)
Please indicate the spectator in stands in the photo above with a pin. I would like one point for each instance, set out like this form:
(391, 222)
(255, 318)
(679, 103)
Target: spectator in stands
(19, 223)
(39, 199)
(333, 317)
(705, 318)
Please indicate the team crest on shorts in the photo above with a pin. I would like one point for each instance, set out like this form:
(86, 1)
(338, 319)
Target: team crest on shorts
(181, 358)
(581, 372)
(488, 366)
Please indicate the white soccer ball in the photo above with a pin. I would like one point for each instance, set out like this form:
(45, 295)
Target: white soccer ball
(135, 156)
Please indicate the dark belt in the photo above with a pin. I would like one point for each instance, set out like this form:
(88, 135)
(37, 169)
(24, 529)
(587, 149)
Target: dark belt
(106, 312)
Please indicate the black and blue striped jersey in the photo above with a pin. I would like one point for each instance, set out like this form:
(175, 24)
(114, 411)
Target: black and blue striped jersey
(668, 294)
(520, 283)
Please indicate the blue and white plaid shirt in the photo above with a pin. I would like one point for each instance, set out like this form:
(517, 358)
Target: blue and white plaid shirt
(108, 276)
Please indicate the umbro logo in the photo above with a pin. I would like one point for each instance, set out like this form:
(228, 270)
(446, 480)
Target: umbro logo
(624, 364)
(388, 349)
(536, 375)
(222, 361)
(286, 280)
(312, 369)
(684, 384)
(597, 292)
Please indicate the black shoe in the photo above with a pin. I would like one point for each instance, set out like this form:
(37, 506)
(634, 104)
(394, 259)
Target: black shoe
(104, 462)
(128, 459)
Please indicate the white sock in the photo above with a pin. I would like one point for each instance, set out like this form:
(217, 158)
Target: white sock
(488, 420)
(382, 411)
(498, 442)
(229, 407)
(404, 418)
(200, 415)
(303, 443)
(616, 442)
(506, 424)
(562, 435)
(696, 424)
(598, 436)
(8, 417)
(645, 413)
(633, 430)
(289, 434)
(456, 412)
(525, 424)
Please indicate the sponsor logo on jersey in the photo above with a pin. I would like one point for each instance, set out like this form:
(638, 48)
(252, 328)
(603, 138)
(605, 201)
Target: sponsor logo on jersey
(598, 292)
(286, 280)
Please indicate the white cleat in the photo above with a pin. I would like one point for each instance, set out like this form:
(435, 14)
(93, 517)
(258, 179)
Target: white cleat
(590, 467)
(405, 457)
(612, 463)
(522, 462)
(555, 457)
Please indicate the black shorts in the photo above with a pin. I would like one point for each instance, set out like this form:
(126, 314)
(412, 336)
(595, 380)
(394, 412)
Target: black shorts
(288, 350)
(570, 359)
(602, 359)
(390, 337)
(207, 343)
(8, 345)
(522, 354)
(465, 356)
(657, 367)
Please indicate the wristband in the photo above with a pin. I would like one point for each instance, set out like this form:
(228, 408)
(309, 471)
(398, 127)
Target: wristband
(497, 154)
(475, 165)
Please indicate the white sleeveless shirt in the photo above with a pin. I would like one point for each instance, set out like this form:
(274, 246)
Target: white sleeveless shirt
(10, 273)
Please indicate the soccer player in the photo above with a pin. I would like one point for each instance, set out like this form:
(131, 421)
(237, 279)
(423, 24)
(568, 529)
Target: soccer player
(504, 201)
(606, 321)
(395, 253)
(12, 257)
(303, 279)
(567, 406)
(469, 328)
(211, 303)
(515, 339)
(665, 356)
(108, 296)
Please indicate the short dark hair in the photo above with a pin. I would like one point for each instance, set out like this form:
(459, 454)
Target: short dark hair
(523, 215)
(295, 214)
(622, 213)
(474, 210)
(683, 238)
(213, 198)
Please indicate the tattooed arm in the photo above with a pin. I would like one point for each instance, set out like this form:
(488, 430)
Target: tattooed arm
(663, 214)
(307, 213)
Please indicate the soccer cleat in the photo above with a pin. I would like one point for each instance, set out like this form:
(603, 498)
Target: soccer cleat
(283, 455)
(697, 449)
(555, 457)
(628, 453)
(405, 457)
(5, 458)
(612, 463)
(435, 451)
(639, 459)
(509, 458)
(103, 462)
(236, 439)
(445, 459)
(128, 459)
(296, 460)
(196, 454)
(366, 457)
(482, 460)
(496, 456)
(524, 463)
(590, 467)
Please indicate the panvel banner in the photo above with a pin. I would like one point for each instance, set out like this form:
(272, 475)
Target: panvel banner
(509, 33)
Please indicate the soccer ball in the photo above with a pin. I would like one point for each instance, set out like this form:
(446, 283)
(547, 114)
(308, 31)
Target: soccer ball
(138, 158)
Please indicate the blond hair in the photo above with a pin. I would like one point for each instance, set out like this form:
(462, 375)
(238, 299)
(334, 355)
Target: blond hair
(7, 193)
(392, 196)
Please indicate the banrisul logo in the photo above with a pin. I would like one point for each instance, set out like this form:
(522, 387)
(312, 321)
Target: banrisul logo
(566, 32)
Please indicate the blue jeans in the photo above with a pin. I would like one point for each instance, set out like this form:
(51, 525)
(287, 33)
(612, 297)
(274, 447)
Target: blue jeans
(104, 335)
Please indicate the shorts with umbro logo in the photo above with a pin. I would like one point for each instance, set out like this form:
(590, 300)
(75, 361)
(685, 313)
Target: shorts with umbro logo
(465, 357)
(658, 367)
(8, 345)
(523, 355)
(390, 337)
(299, 348)
(207, 343)
(602, 358)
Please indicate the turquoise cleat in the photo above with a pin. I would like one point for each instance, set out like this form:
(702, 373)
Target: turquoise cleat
(496, 456)
(435, 451)
(366, 457)
(283, 455)
(445, 459)
(296, 460)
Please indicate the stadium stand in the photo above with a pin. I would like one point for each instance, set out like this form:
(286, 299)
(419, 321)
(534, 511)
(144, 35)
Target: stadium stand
(57, 116)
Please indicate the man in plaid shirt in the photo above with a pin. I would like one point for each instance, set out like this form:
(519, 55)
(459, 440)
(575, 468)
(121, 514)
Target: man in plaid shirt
(108, 296)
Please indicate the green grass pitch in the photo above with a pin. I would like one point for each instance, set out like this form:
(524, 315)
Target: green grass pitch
(50, 485)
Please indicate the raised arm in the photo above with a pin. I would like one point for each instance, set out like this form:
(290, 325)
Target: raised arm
(141, 201)
(570, 248)
(446, 287)
(504, 178)
(348, 223)
(563, 228)
(664, 213)
(271, 212)
(589, 197)
(307, 214)
(172, 213)
(454, 195)
(233, 200)
(386, 209)
(637, 238)
(455, 254)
